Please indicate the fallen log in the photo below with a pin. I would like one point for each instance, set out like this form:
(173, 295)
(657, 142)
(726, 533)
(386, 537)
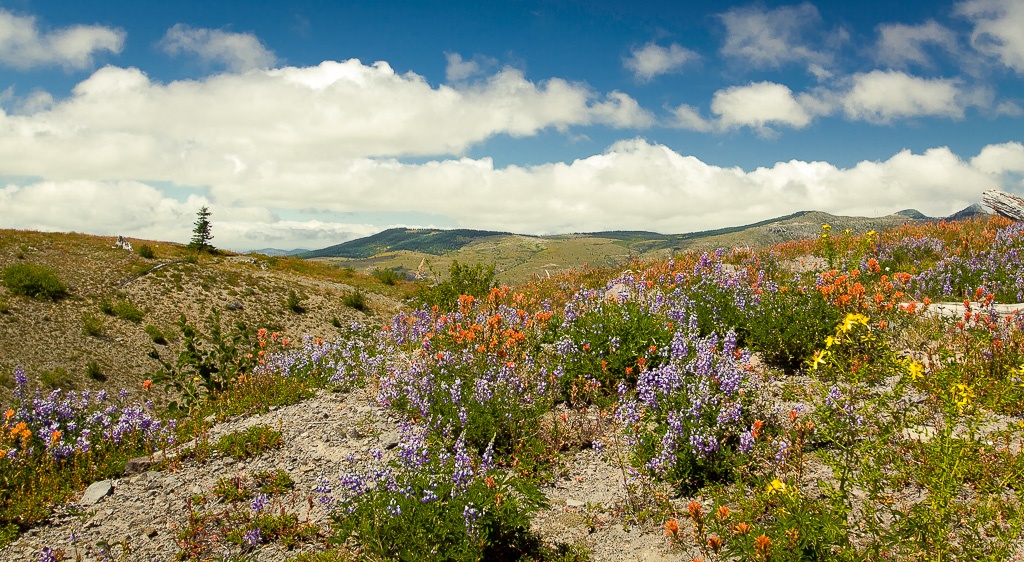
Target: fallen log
(1003, 203)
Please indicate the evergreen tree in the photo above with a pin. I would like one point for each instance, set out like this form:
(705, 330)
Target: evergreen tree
(201, 235)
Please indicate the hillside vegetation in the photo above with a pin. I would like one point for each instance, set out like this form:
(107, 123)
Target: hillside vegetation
(794, 402)
(521, 258)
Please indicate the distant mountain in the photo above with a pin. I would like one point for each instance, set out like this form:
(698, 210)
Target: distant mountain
(913, 214)
(279, 252)
(431, 241)
(974, 210)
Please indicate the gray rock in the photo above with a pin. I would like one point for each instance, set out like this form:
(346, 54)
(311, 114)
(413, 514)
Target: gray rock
(96, 492)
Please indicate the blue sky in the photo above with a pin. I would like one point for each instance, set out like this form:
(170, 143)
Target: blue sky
(304, 124)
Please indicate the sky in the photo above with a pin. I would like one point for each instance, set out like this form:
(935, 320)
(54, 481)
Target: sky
(307, 123)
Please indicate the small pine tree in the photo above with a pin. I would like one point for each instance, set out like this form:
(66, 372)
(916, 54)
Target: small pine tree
(201, 235)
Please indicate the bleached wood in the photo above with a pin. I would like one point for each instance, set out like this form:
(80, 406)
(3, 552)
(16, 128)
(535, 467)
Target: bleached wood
(1007, 205)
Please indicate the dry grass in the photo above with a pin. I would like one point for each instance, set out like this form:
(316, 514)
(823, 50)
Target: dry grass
(43, 336)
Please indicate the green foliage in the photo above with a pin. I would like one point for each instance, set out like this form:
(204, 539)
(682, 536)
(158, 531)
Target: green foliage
(475, 280)
(387, 276)
(429, 517)
(93, 371)
(145, 251)
(251, 443)
(125, 310)
(156, 334)
(275, 481)
(93, 326)
(356, 300)
(5, 307)
(232, 489)
(34, 281)
(58, 377)
(294, 302)
(206, 364)
(789, 326)
(201, 234)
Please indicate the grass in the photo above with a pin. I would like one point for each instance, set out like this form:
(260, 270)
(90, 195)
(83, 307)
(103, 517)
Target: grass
(253, 442)
(357, 300)
(36, 281)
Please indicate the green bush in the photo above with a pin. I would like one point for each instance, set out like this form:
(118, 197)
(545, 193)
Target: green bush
(476, 280)
(128, 311)
(57, 378)
(294, 302)
(4, 306)
(93, 371)
(789, 326)
(156, 334)
(251, 443)
(387, 276)
(356, 300)
(146, 251)
(92, 326)
(34, 281)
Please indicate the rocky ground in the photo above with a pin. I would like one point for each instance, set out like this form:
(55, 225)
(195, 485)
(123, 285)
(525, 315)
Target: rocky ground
(142, 516)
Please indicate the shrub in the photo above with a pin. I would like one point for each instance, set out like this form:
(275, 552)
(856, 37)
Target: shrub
(387, 276)
(92, 370)
(57, 378)
(156, 334)
(92, 326)
(34, 281)
(4, 306)
(146, 251)
(789, 326)
(251, 443)
(128, 311)
(475, 280)
(106, 306)
(356, 300)
(294, 302)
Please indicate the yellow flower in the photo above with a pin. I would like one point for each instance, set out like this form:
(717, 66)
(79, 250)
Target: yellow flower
(851, 320)
(830, 341)
(819, 358)
(915, 369)
(776, 486)
(962, 395)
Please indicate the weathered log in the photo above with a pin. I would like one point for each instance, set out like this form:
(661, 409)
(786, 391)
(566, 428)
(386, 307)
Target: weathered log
(1007, 205)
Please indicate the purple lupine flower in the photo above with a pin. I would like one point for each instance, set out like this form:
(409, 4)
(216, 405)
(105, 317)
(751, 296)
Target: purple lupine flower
(260, 502)
(253, 537)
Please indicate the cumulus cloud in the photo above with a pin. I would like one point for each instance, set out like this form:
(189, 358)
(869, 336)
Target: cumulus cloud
(689, 118)
(998, 29)
(118, 124)
(760, 105)
(235, 51)
(24, 46)
(459, 69)
(899, 45)
(653, 60)
(770, 38)
(634, 184)
(884, 96)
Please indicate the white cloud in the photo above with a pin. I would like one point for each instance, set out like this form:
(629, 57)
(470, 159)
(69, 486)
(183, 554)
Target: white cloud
(689, 118)
(763, 37)
(899, 44)
(634, 184)
(998, 29)
(653, 60)
(118, 124)
(883, 96)
(759, 105)
(24, 46)
(459, 69)
(235, 51)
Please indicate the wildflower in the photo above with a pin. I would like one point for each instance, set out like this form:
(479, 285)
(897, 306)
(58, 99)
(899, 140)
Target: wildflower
(776, 486)
(696, 510)
(741, 529)
(8, 415)
(915, 370)
(723, 513)
(714, 543)
(820, 358)
(259, 503)
(672, 528)
(147, 385)
(253, 537)
(762, 546)
(962, 395)
(755, 432)
(852, 320)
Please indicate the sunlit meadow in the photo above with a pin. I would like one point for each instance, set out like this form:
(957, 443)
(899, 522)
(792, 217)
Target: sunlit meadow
(799, 402)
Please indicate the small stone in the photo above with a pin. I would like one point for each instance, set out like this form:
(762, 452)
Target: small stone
(575, 503)
(150, 532)
(96, 492)
(390, 440)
